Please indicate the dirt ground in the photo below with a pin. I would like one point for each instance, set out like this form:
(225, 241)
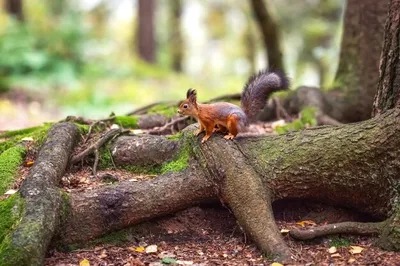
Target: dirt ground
(209, 235)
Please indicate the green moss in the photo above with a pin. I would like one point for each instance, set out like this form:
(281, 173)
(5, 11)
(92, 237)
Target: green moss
(38, 135)
(66, 205)
(105, 160)
(9, 162)
(337, 241)
(18, 132)
(10, 211)
(175, 137)
(127, 121)
(180, 162)
(83, 129)
(307, 118)
(164, 109)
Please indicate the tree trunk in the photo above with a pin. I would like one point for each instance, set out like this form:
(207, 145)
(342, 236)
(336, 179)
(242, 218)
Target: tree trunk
(15, 8)
(357, 76)
(176, 40)
(270, 34)
(388, 94)
(145, 39)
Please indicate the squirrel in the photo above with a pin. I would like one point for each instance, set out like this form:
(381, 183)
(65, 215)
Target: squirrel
(223, 116)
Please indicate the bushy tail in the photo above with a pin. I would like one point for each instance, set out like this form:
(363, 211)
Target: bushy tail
(257, 90)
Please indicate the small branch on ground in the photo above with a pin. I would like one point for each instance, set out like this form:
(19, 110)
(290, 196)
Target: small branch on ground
(96, 146)
(355, 228)
(157, 131)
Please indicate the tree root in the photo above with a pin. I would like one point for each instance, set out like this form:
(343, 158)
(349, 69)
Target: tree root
(355, 228)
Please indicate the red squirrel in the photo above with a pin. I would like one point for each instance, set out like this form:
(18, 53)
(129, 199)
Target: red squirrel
(229, 117)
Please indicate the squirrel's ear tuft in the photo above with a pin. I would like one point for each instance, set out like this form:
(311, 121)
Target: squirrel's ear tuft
(191, 93)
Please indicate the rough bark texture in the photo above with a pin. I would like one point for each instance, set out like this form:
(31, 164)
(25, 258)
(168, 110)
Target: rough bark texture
(353, 165)
(388, 94)
(144, 150)
(362, 43)
(145, 31)
(28, 242)
(270, 34)
(103, 210)
(15, 8)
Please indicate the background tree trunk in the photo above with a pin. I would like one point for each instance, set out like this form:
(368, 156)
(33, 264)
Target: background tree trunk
(357, 76)
(145, 39)
(15, 8)
(388, 95)
(176, 40)
(270, 33)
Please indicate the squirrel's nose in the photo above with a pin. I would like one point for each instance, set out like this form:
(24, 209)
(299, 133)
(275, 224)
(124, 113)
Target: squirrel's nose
(179, 111)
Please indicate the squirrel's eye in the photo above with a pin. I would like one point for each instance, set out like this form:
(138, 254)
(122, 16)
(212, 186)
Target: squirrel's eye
(185, 106)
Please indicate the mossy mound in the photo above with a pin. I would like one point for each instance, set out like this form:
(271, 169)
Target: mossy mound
(9, 162)
(38, 134)
(127, 121)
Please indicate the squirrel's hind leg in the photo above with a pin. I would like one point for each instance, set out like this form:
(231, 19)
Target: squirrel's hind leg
(209, 130)
(232, 126)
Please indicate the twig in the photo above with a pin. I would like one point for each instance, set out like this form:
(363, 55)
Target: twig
(172, 123)
(95, 123)
(144, 109)
(96, 161)
(110, 134)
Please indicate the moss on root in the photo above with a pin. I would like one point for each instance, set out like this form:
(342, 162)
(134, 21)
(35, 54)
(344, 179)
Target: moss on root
(38, 134)
(179, 163)
(10, 213)
(127, 121)
(307, 118)
(9, 162)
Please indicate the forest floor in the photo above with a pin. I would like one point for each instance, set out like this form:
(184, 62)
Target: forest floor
(209, 235)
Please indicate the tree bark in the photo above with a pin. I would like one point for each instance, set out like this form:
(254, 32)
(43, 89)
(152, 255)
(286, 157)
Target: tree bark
(145, 39)
(28, 242)
(388, 95)
(15, 8)
(176, 40)
(353, 166)
(270, 34)
(357, 76)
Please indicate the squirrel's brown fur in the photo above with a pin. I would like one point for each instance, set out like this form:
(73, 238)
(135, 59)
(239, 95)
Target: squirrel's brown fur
(223, 116)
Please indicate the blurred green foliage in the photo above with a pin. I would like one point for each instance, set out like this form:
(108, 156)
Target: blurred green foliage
(306, 119)
(31, 53)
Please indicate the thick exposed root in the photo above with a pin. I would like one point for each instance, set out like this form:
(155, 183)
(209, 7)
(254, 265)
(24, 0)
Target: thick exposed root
(355, 228)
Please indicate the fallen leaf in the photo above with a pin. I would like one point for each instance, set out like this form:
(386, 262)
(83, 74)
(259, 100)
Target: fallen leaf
(137, 249)
(84, 262)
(276, 264)
(29, 163)
(151, 249)
(10, 192)
(284, 231)
(27, 139)
(351, 260)
(168, 260)
(332, 250)
(355, 250)
(336, 255)
(114, 126)
(306, 222)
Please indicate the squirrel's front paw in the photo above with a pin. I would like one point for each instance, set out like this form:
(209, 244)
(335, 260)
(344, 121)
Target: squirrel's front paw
(205, 138)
